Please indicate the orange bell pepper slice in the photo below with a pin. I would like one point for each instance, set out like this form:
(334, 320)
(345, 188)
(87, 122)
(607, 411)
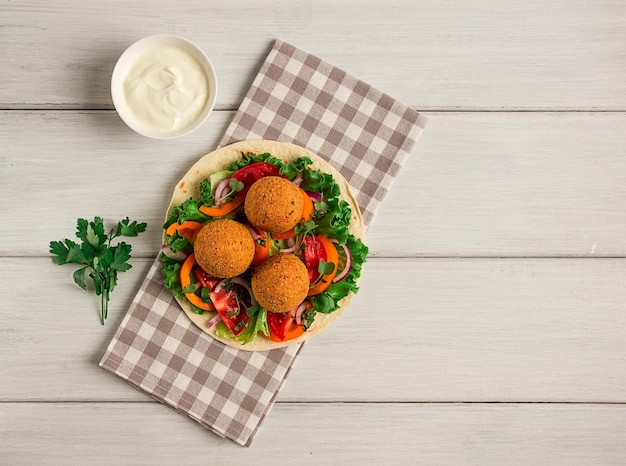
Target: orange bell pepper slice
(332, 256)
(307, 210)
(224, 209)
(188, 229)
(185, 281)
(261, 248)
(291, 334)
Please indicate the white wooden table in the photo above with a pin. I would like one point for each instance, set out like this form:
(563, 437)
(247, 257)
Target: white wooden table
(491, 324)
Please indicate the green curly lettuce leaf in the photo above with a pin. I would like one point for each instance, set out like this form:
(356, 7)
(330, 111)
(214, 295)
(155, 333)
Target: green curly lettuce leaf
(171, 275)
(327, 301)
(188, 210)
(249, 159)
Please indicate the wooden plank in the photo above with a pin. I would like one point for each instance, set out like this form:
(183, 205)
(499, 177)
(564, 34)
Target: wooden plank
(432, 55)
(477, 184)
(529, 184)
(459, 330)
(148, 433)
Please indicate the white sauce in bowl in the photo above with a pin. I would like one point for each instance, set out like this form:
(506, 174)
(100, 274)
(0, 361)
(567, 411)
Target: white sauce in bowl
(166, 89)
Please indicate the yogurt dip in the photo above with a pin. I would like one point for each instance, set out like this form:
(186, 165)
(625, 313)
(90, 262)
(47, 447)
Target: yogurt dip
(166, 89)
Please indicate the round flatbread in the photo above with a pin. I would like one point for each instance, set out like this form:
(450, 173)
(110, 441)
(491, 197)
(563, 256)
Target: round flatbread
(217, 161)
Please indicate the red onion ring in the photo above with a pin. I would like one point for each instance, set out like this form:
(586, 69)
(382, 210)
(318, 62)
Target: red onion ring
(291, 245)
(297, 315)
(298, 179)
(222, 190)
(253, 231)
(214, 321)
(238, 281)
(177, 256)
(315, 197)
(346, 270)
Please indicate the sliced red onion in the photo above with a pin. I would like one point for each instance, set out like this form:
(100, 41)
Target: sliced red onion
(214, 321)
(315, 197)
(291, 245)
(222, 190)
(219, 285)
(256, 234)
(297, 315)
(346, 270)
(177, 256)
(238, 281)
(298, 179)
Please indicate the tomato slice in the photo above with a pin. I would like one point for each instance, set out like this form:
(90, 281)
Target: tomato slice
(204, 279)
(283, 327)
(255, 171)
(231, 305)
(314, 252)
(317, 249)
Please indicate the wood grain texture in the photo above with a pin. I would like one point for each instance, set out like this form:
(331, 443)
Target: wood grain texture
(399, 434)
(490, 324)
(461, 55)
(428, 330)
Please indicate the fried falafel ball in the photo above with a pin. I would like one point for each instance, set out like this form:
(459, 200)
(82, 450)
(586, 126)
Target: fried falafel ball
(273, 204)
(224, 248)
(280, 283)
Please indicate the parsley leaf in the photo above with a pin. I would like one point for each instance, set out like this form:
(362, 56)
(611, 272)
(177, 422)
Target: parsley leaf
(97, 255)
(125, 228)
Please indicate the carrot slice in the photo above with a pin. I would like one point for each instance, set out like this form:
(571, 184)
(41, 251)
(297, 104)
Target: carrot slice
(307, 210)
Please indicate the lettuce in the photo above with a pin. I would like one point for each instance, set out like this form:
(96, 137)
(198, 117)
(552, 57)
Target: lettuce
(248, 159)
(188, 210)
(215, 179)
(291, 170)
(336, 221)
(327, 301)
(258, 323)
(171, 278)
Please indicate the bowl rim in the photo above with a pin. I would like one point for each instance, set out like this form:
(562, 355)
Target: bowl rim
(129, 57)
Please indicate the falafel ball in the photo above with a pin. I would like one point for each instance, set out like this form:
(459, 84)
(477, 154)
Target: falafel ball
(280, 283)
(273, 204)
(224, 248)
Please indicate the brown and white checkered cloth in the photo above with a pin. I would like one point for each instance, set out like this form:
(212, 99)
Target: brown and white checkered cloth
(298, 98)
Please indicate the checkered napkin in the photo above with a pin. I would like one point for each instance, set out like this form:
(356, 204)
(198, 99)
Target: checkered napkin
(297, 98)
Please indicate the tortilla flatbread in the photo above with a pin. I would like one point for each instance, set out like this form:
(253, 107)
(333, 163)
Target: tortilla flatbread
(217, 161)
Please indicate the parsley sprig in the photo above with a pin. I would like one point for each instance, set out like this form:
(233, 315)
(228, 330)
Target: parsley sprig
(97, 255)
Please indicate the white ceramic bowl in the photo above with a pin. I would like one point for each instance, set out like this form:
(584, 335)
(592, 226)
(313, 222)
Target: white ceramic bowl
(126, 106)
